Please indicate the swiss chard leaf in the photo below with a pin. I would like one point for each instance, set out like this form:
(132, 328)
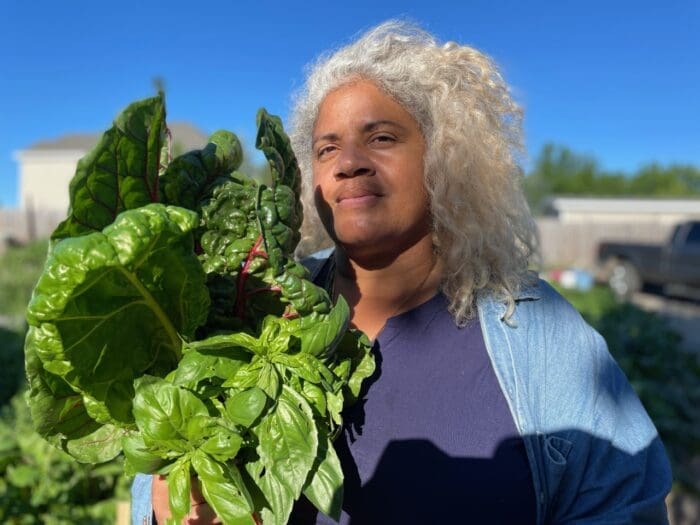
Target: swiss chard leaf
(120, 173)
(57, 410)
(190, 178)
(139, 273)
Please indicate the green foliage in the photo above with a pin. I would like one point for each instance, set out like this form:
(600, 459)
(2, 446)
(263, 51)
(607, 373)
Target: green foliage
(560, 171)
(172, 324)
(665, 376)
(20, 267)
(11, 363)
(120, 172)
(40, 484)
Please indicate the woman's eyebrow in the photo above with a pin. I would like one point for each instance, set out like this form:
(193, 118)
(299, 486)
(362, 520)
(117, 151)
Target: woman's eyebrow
(366, 128)
(328, 136)
(371, 126)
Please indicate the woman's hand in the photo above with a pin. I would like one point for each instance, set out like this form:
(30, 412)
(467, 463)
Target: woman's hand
(200, 511)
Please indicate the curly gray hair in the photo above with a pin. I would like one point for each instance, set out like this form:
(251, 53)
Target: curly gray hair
(482, 227)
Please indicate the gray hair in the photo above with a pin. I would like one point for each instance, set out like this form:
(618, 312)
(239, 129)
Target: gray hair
(482, 227)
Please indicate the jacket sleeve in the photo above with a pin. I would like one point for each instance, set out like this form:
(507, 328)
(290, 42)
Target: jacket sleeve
(141, 508)
(615, 469)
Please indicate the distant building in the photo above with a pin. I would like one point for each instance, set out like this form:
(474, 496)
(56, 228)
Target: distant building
(44, 172)
(666, 212)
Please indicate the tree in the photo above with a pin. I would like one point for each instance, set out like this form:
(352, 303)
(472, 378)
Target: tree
(560, 171)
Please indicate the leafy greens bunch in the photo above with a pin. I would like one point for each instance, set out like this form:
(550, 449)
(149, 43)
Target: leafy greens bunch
(172, 324)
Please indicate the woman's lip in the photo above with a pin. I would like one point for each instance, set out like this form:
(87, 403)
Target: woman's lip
(358, 200)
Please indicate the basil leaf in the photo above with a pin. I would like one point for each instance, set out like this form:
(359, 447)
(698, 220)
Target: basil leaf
(223, 489)
(139, 457)
(206, 362)
(356, 347)
(325, 486)
(179, 485)
(165, 412)
(223, 445)
(321, 338)
(287, 448)
(269, 380)
(245, 407)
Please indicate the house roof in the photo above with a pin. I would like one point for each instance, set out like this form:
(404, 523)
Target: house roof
(184, 133)
(557, 205)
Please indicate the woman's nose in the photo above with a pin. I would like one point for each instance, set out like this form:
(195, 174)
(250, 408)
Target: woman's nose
(353, 162)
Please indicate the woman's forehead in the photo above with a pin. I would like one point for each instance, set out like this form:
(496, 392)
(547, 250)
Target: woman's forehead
(359, 105)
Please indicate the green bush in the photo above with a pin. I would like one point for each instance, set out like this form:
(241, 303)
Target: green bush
(11, 363)
(20, 268)
(40, 484)
(665, 376)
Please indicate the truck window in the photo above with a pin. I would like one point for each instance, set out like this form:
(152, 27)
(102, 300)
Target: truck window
(694, 234)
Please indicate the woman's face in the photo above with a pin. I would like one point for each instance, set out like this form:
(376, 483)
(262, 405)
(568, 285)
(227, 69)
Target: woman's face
(368, 171)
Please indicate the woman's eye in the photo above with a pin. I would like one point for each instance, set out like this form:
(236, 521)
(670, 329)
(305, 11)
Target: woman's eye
(383, 139)
(324, 150)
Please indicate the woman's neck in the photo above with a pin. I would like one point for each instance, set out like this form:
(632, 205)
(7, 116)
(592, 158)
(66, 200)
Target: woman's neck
(377, 293)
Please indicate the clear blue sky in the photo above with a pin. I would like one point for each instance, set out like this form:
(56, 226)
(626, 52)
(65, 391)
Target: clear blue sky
(618, 80)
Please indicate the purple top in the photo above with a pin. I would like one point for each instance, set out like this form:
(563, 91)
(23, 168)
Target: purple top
(432, 440)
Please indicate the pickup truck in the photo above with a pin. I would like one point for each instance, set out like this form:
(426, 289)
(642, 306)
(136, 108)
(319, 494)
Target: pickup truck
(673, 267)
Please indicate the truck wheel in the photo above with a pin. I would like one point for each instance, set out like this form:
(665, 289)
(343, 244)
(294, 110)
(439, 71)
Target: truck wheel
(624, 280)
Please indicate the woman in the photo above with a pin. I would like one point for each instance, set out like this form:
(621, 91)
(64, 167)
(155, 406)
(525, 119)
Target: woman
(493, 401)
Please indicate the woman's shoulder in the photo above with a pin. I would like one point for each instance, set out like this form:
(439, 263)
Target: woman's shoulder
(535, 301)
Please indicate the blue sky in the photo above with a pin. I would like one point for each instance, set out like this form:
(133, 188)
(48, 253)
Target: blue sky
(617, 80)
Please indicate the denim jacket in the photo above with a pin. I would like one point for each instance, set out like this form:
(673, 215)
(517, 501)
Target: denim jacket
(595, 455)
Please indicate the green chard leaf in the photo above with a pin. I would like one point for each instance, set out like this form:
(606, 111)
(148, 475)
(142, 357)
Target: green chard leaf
(189, 179)
(280, 209)
(112, 306)
(120, 173)
(60, 415)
